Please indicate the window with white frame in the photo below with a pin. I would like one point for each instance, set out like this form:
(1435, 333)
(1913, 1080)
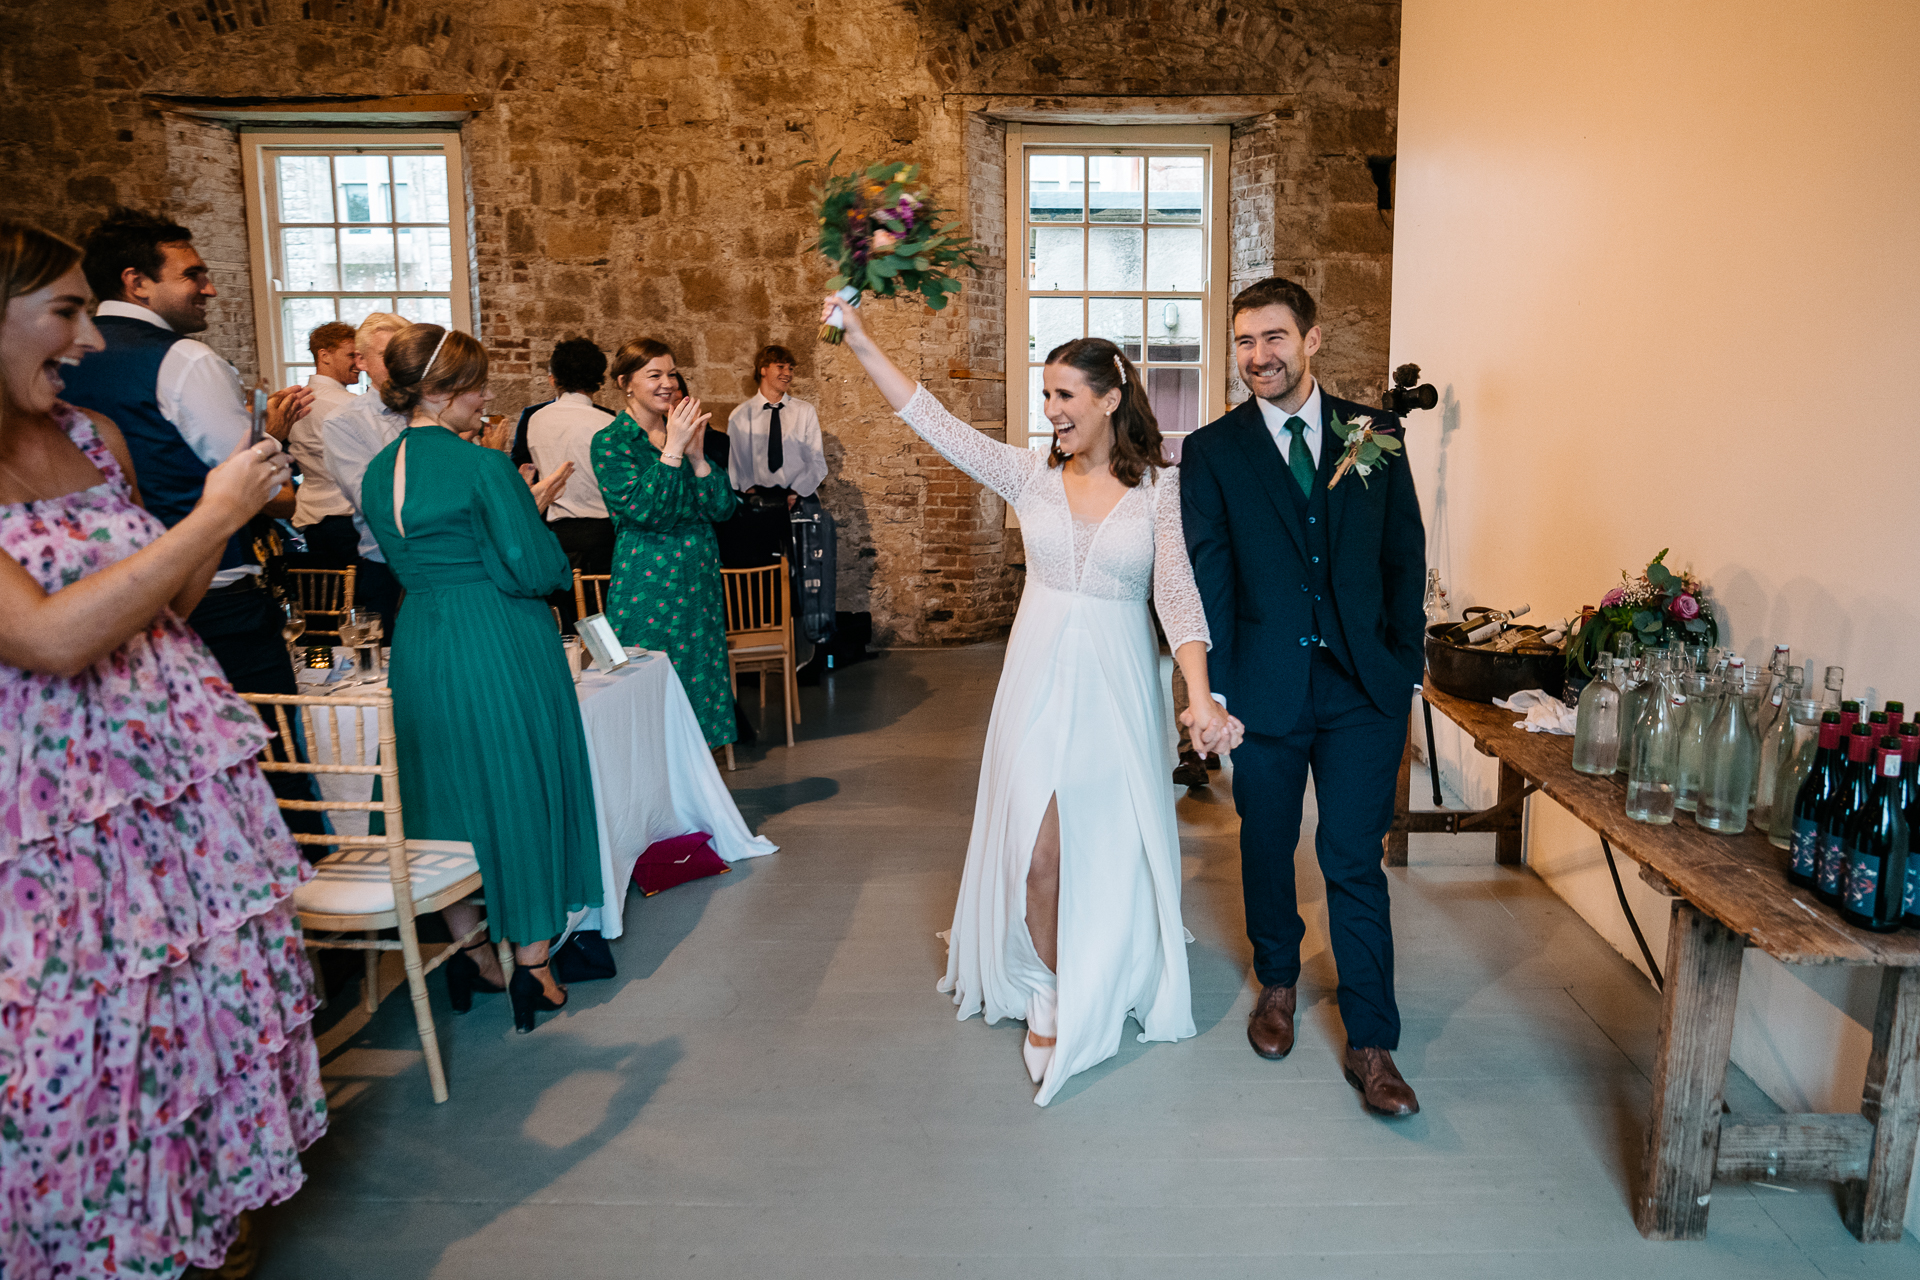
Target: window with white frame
(348, 223)
(1118, 237)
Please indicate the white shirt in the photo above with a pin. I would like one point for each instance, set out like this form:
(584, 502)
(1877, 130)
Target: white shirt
(562, 432)
(351, 435)
(319, 496)
(200, 394)
(803, 458)
(1276, 420)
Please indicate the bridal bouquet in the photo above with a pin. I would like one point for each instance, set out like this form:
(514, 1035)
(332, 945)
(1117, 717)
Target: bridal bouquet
(884, 236)
(1659, 606)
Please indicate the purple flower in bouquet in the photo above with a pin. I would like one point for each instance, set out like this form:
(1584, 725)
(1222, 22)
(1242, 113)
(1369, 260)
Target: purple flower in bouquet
(1613, 597)
(1684, 607)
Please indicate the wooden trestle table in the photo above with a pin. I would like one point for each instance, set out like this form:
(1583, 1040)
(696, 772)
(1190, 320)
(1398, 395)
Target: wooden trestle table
(1728, 893)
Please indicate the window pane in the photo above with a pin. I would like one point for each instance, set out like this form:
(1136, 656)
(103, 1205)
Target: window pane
(307, 259)
(303, 182)
(428, 310)
(1173, 328)
(1113, 258)
(1118, 321)
(361, 187)
(1114, 188)
(1173, 259)
(1058, 258)
(1175, 397)
(426, 258)
(354, 310)
(1056, 188)
(1038, 430)
(300, 317)
(1173, 188)
(420, 188)
(366, 258)
(1051, 321)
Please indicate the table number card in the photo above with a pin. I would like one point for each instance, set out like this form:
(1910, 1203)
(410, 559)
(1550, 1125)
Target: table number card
(598, 635)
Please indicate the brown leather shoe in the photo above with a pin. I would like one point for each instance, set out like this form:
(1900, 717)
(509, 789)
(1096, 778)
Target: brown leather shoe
(1381, 1086)
(1191, 771)
(1270, 1029)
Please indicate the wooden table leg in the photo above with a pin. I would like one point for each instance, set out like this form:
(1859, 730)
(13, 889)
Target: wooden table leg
(1875, 1210)
(1395, 853)
(1507, 845)
(1689, 1076)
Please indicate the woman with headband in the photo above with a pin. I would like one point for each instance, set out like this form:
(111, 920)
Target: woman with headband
(1069, 908)
(502, 761)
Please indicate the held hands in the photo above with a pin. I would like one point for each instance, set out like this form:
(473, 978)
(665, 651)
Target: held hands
(1212, 730)
(252, 476)
(545, 491)
(286, 407)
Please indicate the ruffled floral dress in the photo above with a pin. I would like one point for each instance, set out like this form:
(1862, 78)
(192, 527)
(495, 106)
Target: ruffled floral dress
(157, 1067)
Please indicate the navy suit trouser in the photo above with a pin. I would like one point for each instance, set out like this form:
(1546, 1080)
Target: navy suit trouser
(1353, 753)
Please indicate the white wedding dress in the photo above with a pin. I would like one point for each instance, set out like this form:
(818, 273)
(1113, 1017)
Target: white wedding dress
(1078, 715)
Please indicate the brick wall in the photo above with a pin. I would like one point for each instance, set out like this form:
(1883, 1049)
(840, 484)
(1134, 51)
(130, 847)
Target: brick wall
(632, 173)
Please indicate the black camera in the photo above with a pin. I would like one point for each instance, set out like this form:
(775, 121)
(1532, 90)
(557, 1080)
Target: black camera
(1403, 397)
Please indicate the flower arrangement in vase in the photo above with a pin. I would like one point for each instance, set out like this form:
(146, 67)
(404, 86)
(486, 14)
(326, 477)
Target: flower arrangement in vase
(1658, 607)
(883, 234)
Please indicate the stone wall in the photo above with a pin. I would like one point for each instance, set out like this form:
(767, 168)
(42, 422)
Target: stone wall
(631, 171)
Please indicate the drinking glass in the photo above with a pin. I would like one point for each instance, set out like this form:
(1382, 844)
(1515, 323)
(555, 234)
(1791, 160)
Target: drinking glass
(360, 629)
(293, 622)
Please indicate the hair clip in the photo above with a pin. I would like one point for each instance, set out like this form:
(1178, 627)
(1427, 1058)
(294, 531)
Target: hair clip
(1121, 365)
(444, 334)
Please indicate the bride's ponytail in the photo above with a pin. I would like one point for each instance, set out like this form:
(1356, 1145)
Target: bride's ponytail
(1137, 444)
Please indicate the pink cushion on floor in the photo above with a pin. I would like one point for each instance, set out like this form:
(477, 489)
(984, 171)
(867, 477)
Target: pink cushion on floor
(677, 860)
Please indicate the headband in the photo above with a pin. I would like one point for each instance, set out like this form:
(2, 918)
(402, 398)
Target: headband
(446, 333)
(1121, 366)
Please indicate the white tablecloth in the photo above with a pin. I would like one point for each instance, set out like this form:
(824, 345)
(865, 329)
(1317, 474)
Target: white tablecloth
(653, 776)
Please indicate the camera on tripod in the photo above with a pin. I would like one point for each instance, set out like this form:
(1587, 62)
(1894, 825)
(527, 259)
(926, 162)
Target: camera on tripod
(1403, 397)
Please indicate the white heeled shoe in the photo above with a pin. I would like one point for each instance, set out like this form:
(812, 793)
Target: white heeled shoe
(1040, 1022)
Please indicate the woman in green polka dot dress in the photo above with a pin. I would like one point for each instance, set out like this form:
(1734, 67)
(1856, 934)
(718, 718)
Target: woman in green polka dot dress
(665, 499)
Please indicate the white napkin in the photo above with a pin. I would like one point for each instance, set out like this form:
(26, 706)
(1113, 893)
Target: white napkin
(1545, 713)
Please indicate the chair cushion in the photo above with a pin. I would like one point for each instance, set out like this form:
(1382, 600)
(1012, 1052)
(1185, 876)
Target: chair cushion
(356, 882)
(677, 860)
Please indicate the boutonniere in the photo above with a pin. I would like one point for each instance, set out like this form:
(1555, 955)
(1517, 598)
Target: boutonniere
(1367, 448)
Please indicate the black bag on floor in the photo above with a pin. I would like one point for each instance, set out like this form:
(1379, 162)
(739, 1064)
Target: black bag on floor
(583, 957)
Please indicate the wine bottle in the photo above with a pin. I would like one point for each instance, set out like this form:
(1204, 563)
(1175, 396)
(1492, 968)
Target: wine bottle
(1486, 626)
(1896, 716)
(1848, 799)
(1812, 797)
(1650, 783)
(1877, 848)
(1596, 729)
(1910, 774)
(1849, 716)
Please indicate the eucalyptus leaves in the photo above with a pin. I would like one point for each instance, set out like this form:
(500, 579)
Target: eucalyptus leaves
(1367, 448)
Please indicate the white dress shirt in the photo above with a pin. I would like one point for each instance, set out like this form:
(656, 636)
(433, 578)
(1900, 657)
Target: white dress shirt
(1276, 420)
(200, 394)
(351, 435)
(562, 432)
(319, 496)
(803, 458)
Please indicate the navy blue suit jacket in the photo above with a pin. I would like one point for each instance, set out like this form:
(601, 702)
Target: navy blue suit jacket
(1247, 542)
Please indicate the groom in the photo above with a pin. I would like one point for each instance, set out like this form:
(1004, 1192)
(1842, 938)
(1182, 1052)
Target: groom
(1313, 598)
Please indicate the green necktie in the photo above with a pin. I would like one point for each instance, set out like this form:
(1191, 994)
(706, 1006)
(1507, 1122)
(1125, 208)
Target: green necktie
(1299, 457)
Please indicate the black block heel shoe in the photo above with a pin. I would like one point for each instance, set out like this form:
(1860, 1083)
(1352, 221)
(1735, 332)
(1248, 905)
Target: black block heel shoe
(529, 997)
(463, 979)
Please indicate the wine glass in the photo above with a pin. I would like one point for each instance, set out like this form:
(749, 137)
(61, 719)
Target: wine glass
(293, 622)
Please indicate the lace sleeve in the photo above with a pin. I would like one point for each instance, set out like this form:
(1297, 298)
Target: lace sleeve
(1174, 594)
(1003, 468)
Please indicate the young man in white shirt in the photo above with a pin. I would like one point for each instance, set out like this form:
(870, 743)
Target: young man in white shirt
(322, 513)
(351, 436)
(776, 457)
(562, 431)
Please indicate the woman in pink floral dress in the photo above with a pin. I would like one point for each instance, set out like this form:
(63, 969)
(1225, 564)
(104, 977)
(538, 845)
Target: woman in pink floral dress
(157, 1068)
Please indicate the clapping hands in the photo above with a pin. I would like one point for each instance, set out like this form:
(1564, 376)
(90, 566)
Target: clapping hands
(1212, 730)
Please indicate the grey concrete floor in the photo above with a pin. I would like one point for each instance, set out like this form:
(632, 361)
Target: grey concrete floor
(773, 1088)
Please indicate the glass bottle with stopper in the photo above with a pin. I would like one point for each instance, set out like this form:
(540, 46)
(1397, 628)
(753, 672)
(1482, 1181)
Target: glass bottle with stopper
(1596, 733)
(1650, 780)
(1798, 743)
(1729, 759)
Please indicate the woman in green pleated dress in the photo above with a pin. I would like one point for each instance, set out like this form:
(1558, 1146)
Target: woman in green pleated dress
(491, 748)
(665, 498)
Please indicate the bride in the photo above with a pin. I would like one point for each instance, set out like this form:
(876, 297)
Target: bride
(1069, 910)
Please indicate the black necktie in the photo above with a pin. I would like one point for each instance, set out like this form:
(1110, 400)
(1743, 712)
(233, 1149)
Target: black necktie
(776, 456)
